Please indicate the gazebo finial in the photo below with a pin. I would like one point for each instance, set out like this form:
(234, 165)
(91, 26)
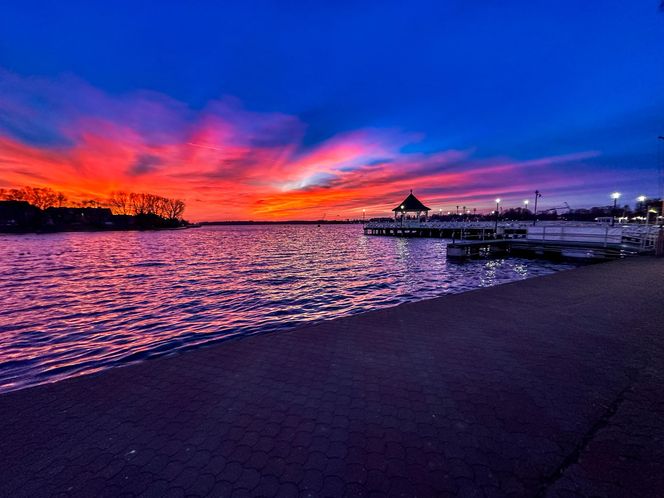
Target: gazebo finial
(411, 190)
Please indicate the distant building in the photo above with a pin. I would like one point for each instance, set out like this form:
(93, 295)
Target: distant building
(78, 217)
(18, 214)
(411, 204)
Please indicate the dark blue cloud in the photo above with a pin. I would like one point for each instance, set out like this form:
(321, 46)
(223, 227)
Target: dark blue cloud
(522, 79)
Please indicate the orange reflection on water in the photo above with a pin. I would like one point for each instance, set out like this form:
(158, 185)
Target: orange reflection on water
(80, 302)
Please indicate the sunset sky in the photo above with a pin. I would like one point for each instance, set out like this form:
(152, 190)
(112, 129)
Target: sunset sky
(289, 110)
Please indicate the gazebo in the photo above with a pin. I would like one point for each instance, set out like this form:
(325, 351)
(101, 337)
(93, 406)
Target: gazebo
(411, 204)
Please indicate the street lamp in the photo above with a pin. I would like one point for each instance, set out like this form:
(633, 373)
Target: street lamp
(642, 200)
(615, 196)
(497, 215)
(364, 212)
(538, 194)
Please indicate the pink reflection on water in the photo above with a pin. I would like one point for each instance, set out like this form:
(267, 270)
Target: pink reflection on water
(81, 302)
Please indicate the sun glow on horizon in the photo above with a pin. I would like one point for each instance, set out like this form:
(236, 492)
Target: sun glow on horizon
(229, 163)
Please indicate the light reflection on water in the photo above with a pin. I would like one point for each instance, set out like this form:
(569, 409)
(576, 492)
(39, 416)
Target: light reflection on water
(75, 303)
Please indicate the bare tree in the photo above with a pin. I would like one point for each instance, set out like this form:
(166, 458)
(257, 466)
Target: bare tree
(15, 194)
(175, 209)
(137, 204)
(60, 199)
(43, 198)
(120, 202)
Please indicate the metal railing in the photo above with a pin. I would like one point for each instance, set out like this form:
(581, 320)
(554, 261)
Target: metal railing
(451, 225)
(642, 237)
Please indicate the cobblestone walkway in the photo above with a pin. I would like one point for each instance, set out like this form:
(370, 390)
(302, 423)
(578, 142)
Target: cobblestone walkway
(552, 386)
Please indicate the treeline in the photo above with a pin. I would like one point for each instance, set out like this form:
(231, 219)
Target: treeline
(43, 198)
(120, 202)
(138, 204)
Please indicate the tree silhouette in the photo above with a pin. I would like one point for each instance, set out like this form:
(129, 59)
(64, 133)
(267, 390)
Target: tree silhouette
(120, 202)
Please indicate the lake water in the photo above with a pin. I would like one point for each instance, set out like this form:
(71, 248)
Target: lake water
(73, 303)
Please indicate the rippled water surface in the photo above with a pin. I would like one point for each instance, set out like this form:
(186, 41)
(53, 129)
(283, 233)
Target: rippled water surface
(74, 303)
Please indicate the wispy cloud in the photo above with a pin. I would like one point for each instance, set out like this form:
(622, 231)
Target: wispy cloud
(228, 162)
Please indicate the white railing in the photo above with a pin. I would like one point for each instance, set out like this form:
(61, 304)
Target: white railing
(445, 225)
(638, 236)
(641, 236)
(575, 233)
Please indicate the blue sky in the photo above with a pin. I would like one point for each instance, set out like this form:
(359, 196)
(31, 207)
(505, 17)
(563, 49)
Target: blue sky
(519, 79)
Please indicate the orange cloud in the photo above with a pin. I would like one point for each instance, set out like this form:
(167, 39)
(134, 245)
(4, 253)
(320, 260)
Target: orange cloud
(230, 163)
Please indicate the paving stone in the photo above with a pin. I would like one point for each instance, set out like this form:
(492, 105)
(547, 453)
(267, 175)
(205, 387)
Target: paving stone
(545, 387)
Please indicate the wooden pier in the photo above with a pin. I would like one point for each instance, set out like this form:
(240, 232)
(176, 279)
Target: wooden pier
(589, 241)
(447, 230)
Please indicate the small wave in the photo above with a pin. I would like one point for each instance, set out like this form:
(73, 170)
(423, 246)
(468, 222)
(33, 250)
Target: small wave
(83, 303)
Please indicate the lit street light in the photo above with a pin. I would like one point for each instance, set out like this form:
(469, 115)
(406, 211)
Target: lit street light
(497, 215)
(615, 196)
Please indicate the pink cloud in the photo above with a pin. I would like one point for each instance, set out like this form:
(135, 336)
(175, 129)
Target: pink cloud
(227, 162)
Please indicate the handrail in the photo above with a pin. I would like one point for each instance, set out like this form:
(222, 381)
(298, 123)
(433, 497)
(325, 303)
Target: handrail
(641, 236)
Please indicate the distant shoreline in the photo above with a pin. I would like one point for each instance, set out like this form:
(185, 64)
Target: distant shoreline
(97, 229)
(5, 231)
(288, 222)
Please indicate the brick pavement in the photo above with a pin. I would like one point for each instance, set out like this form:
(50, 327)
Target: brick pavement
(546, 387)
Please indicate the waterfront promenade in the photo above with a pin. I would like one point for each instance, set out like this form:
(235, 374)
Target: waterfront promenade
(546, 387)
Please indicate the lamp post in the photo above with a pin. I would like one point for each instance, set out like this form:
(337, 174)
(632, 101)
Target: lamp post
(497, 214)
(615, 196)
(642, 200)
(364, 211)
(538, 194)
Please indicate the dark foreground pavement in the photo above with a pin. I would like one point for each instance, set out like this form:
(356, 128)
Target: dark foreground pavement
(548, 387)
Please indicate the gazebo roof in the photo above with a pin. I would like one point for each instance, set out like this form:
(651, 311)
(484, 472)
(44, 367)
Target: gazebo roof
(411, 203)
